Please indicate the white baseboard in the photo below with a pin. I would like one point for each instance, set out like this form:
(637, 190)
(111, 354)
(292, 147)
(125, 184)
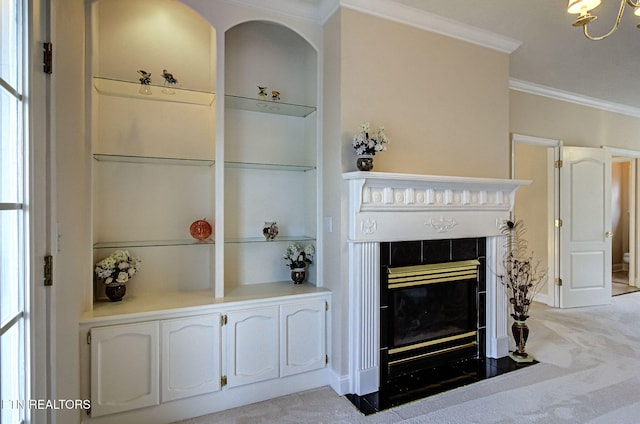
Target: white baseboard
(339, 383)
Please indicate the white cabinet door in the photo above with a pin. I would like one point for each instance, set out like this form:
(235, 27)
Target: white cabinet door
(190, 356)
(253, 346)
(124, 367)
(303, 337)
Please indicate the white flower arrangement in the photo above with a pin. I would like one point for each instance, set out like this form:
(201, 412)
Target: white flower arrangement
(369, 144)
(118, 268)
(297, 257)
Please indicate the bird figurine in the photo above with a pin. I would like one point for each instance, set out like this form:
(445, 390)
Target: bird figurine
(168, 77)
(275, 95)
(145, 77)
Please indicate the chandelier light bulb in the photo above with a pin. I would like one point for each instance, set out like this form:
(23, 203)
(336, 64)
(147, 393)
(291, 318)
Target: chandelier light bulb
(582, 7)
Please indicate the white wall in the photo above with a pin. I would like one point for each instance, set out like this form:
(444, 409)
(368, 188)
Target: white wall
(72, 262)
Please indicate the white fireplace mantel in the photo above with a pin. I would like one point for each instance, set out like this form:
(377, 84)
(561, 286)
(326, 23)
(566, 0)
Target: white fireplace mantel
(400, 207)
(391, 207)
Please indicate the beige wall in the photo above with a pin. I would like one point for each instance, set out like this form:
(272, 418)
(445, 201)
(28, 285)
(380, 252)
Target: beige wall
(532, 205)
(444, 103)
(574, 124)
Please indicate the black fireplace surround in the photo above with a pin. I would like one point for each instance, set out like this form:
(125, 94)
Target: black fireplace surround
(432, 336)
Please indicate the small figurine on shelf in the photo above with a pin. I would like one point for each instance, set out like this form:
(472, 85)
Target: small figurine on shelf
(168, 78)
(201, 229)
(275, 96)
(262, 92)
(270, 230)
(145, 82)
(145, 77)
(169, 82)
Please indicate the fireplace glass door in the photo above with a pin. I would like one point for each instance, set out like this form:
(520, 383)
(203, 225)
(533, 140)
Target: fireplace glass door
(432, 313)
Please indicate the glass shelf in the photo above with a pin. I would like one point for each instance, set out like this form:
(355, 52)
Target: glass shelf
(269, 166)
(263, 240)
(267, 106)
(151, 243)
(120, 88)
(153, 160)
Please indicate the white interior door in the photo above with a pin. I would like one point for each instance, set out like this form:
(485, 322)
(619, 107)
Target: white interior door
(585, 236)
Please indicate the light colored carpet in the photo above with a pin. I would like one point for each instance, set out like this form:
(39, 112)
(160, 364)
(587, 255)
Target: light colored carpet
(589, 373)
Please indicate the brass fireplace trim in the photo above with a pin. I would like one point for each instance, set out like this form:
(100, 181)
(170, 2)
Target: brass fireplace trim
(433, 353)
(432, 342)
(417, 275)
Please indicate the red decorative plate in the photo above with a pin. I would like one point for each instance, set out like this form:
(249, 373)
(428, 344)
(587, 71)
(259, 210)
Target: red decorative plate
(200, 229)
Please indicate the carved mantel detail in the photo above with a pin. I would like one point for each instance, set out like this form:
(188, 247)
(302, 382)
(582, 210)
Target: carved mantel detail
(411, 206)
(443, 224)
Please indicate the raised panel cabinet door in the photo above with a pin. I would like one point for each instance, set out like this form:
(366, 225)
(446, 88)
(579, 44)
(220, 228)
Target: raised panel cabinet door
(303, 344)
(253, 346)
(124, 367)
(190, 356)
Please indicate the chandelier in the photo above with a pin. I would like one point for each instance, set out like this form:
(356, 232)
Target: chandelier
(582, 7)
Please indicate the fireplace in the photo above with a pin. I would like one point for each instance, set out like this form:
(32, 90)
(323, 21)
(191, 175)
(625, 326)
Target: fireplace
(430, 316)
(405, 220)
(432, 312)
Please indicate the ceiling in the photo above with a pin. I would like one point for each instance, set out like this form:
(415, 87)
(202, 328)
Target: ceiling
(553, 53)
(553, 57)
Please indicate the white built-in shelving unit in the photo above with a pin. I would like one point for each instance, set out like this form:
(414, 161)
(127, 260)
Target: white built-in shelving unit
(207, 324)
(161, 159)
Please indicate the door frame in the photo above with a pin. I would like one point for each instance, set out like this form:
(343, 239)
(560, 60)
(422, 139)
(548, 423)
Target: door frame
(42, 238)
(552, 295)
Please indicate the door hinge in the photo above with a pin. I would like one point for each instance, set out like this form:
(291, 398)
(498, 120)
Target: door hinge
(223, 381)
(326, 305)
(558, 164)
(88, 337)
(47, 58)
(558, 281)
(558, 223)
(48, 270)
(223, 321)
(326, 359)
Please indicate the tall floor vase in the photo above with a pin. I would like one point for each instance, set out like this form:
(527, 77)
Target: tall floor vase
(520, 332)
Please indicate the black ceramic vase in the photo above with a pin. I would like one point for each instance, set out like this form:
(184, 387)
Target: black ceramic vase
(115, 292)
(298, 275)
(365, 162)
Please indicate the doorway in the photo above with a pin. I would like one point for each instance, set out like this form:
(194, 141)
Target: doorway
(624, 224)
(537, 204)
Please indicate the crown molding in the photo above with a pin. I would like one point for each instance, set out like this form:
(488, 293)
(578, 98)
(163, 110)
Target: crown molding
(566, 96)
(320, 11)
(391, 10)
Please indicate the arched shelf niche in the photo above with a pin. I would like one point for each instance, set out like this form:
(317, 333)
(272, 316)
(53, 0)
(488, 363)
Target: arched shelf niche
(153, 144)
(270, 150)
